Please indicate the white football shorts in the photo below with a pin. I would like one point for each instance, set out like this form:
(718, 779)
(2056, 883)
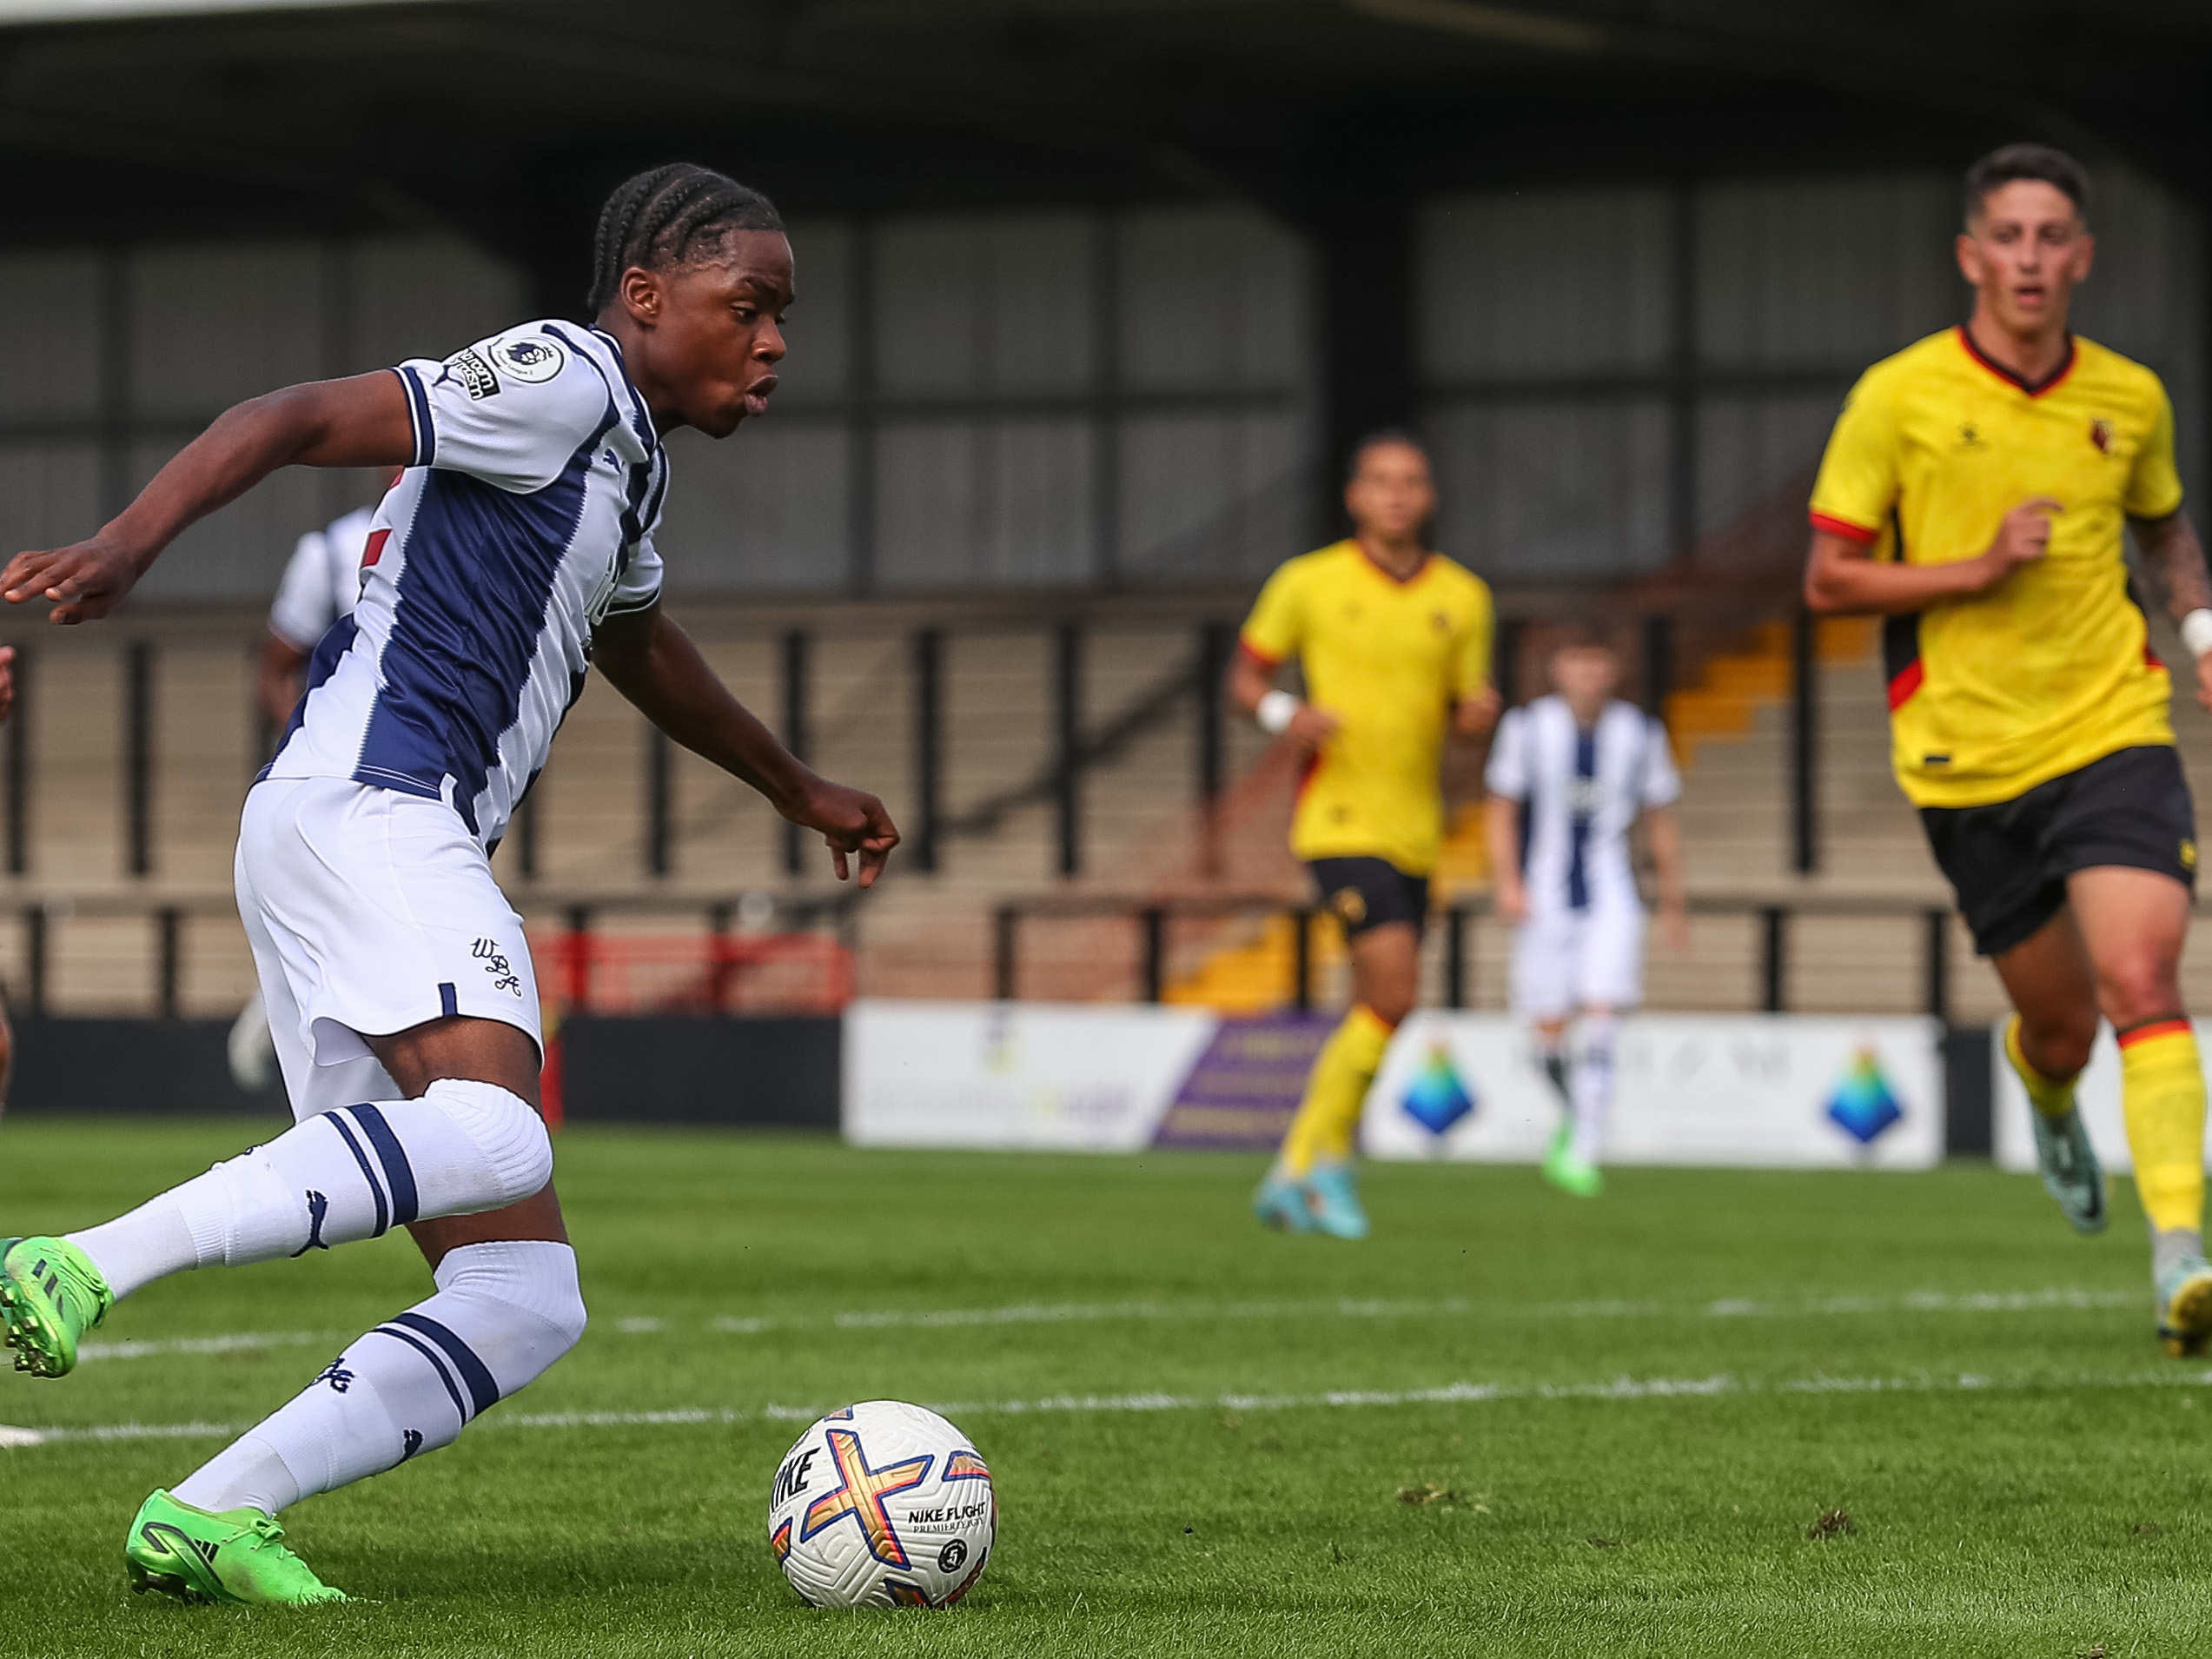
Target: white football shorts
(370, 912)
(1564, 960)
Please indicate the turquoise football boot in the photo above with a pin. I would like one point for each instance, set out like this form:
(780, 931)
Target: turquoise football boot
(1280, 1203)
(1333, 1196)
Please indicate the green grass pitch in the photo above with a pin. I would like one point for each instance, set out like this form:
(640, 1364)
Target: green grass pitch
(1509, 1424)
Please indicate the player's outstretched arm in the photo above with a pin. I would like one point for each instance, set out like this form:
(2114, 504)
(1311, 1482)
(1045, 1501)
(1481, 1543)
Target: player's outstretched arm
(1501, 828)
(1663, 828)
(361, 422)
(1842, 575)
(1251, 688)
(653, 663)
(2173, 558)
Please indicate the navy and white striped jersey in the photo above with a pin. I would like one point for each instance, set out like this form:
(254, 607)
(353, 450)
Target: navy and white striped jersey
(525, 517)
(1580, 791)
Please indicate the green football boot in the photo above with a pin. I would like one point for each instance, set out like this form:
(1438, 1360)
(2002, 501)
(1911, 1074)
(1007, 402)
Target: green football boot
(236, 1557)
(1565, 1169)
(51, 1295)
(2185, 1308)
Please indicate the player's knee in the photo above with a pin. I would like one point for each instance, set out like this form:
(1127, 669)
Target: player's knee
(2058, 1045)
(510, 1139)
(1390, 1004)
(525, 1308)
(2141, 985)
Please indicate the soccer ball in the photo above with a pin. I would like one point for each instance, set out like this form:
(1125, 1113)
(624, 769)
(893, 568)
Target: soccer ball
(882, 1505)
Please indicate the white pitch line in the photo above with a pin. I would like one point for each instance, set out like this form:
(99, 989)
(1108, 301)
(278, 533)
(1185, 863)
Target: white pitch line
(235, 1343)
(1050, 1313)
(1616, 1389)
(1725, 1308)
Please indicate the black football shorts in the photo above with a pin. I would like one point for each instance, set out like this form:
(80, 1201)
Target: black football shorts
(2009, 861)
(1367, 892)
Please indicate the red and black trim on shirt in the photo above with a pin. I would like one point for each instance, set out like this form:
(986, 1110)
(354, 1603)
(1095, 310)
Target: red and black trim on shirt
(1902, 668)
(2033, 388)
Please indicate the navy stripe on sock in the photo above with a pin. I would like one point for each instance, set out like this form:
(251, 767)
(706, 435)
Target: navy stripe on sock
(474, 1371)
(461, 1408)
(397, 1169)
(383, 1216)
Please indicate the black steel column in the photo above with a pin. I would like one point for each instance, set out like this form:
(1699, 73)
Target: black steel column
(860, 421)
(1505, 660)
(1805, 747)
(35, 959)
(115, 353)
(1369, 379)
(138, 756)
(1658, 664)
(1216, 641)
(1774, 939)
(928, 735)
(171, 956)
(1105, 381)
(1154, 919)
(1067, 744)
(1937, 952)
(658, 786)
(1456, 985)
(1301, 985)
(795, 738)
(1004, 922)
(1682, 379)
(18, 764)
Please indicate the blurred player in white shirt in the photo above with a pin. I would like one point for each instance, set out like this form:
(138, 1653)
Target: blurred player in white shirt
(1568, 777)
(322, 583)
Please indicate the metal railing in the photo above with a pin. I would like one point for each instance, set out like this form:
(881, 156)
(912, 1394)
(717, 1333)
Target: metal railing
(1153, 918)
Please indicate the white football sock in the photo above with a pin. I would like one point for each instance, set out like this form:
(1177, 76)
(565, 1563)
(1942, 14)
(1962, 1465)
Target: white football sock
(503, 1313)
(1591, 1094)
(352, 1173)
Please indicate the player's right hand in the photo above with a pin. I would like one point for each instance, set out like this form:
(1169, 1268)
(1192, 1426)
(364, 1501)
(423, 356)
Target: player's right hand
(854, 825)
(2022, 539)
(1509, 900)
(83, 580)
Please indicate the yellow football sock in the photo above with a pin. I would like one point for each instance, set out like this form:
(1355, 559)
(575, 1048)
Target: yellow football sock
(2053, 1096)
(2161, 1090)
(1328, 1118)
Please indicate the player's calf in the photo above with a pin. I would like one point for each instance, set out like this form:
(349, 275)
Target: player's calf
(504, 1312)
(460, 1148)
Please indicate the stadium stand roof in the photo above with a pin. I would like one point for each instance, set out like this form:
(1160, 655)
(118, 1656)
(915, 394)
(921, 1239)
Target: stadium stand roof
(505, 121)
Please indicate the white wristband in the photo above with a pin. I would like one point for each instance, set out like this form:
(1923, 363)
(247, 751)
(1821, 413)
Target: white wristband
(2196, 632)
(1278, 709)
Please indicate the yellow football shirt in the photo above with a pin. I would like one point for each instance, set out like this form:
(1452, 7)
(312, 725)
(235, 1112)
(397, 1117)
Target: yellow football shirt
(2050, 669)
(1388, 659)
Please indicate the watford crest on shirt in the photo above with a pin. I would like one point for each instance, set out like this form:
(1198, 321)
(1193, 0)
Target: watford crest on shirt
(2101, 436)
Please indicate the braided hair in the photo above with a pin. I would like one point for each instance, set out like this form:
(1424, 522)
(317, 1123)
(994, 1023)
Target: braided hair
(658, 220)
